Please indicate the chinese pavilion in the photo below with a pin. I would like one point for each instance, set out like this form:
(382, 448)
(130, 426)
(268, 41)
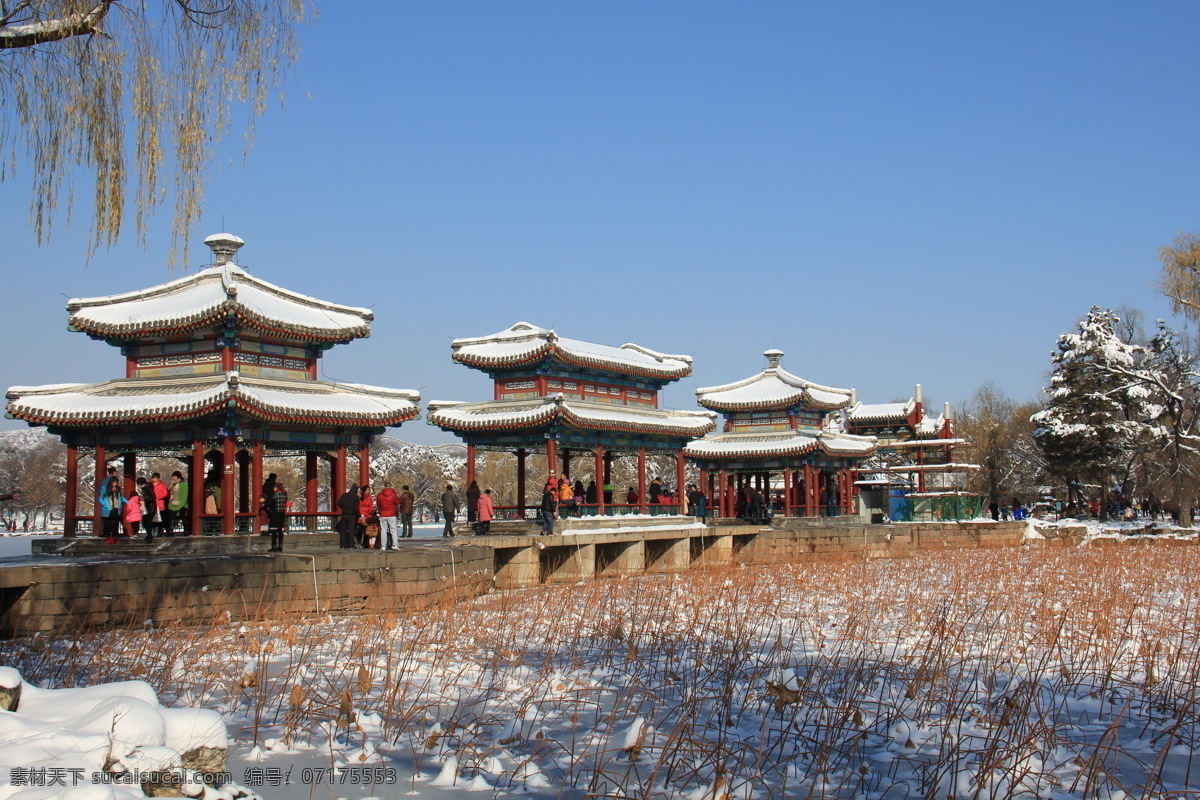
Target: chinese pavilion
(915, 460)
(776, 426)
(220, 369)
(563, 398)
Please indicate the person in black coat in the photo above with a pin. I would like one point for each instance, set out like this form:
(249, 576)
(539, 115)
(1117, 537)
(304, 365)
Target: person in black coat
(755, 511)
(473, 502)
(348, 505)
(277, 508)
(549, 506)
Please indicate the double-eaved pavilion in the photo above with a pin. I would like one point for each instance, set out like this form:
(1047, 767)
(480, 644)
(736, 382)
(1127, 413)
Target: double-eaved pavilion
(564, 398)
(915, 461)
(776, 426)
(220, 370)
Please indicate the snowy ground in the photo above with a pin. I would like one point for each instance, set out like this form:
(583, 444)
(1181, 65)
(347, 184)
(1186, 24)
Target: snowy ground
(1047, 672)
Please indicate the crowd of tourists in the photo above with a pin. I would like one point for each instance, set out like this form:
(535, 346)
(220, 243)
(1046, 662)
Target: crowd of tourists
(151, 506)
(562, 499)
(155, 508)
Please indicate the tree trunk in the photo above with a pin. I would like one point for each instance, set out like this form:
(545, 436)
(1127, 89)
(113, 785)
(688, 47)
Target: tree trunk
(1183, 505)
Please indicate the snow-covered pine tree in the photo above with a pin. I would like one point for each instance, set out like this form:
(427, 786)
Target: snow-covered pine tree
(1097, 414)
(1168, 372)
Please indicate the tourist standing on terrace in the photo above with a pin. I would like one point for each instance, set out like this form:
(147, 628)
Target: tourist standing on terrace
(449, 509)
(133, 512)
(566, 495)
(149, 506)
(277, 506)
(111, 502)
(368, 523)
(177, 504)
(697, 501)
(549, 503)
(486, 512)
(161, 495)
(407, 501)
(388, 503)
(473, 503)
(348, 505)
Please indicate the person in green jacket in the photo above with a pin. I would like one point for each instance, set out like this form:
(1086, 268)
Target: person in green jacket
(177, 505)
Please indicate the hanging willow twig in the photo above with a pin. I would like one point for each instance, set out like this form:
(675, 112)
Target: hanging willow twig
(87, 84)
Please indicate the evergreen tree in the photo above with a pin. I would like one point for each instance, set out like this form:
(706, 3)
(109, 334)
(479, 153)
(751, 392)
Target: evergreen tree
(1097, 414)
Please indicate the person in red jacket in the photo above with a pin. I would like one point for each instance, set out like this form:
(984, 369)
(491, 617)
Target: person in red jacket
(388, 504)
(161, 494)
(368, 526)
(486, 512)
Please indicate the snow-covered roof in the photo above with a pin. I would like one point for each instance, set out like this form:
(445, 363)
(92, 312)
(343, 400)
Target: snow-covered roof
(774, 387)
(147, 400)
(915, 443)
(212, 295)
(928, 468)
(539, 411)
(931, 427)
(524, 343)
(862, 413)
(779, 443)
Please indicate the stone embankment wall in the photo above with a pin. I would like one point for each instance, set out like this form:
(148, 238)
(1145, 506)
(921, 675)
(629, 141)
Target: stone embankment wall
(59, 597)
(214, 578)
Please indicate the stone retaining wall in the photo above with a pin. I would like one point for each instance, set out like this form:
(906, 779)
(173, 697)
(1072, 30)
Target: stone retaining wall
(72, 596)
(195, 580)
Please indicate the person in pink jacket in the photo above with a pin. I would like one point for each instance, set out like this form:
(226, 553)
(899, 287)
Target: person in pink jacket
(133, 512)
(486, 512)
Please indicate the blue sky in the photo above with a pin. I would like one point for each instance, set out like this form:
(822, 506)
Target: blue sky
(891, 193)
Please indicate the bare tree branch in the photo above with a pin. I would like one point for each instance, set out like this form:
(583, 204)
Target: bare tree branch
(53, 30)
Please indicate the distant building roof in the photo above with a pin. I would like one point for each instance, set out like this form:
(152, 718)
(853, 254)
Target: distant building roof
(862, 413)
(539, 411)
(774, 387)
(780, 443)
(524, 343)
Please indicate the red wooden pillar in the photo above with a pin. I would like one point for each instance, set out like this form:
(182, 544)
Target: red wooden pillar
(312, 485)
(228, 484)
(72, 492)
(599, 467)
(129, 470)
(196, 489)
(520, 483)
(552, 457)
(364, 465)
(339, 474)
(470, 464)
(787, 491)
(808, 490)
(720, 496)
(680, 477)
(101, 473)
(256, 482)
(642, 479)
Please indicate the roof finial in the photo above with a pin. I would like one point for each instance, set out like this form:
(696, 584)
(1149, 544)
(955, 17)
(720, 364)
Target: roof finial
(773, 358)
(224, 246)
